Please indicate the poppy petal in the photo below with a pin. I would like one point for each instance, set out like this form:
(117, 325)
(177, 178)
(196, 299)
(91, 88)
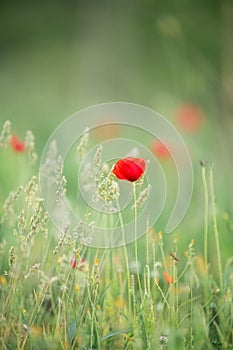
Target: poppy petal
(129, 168)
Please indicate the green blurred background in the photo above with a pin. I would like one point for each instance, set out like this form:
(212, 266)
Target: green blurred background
(57, 57)
(60, 56)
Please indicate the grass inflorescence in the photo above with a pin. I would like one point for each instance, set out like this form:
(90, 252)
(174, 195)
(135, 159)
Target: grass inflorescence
(58, 294)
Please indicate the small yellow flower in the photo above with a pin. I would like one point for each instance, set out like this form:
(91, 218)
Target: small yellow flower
(154, 237)
(2, 280)
(36, 330)
(24, 311)
(120, 303)
(77, 288)
(216, 291)
(96, 262)
(160, 234)
(191, 243)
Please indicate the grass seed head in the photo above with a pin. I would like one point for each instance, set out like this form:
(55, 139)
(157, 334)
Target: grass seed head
(12, 256)
(5, 133)
(81, 148)
(30, 146)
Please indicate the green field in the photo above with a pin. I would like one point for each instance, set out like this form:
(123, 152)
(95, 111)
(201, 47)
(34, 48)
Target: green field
(162, 291)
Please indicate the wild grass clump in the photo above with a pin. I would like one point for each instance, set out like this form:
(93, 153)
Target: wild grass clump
(56, 293)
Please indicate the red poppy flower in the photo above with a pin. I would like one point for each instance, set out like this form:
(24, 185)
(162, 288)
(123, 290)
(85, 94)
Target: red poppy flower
(129, 168)
(81, 264)
(160, 150)
(17, 145)
(189, 118)
(77, 264)
(73, 262)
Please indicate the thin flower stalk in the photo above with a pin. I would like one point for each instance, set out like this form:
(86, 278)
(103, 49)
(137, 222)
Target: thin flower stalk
(136, 239)
(161, 249)
(216, 233)
(125, 251)
(206, 215)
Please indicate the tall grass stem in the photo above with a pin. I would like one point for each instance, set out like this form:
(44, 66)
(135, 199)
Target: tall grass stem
(216, 233)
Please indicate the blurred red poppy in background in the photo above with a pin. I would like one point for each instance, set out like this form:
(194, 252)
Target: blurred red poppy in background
(189, 117)
(17, 145)
(160, 150)
(73, 262)
(77, 264)
(129, 168)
